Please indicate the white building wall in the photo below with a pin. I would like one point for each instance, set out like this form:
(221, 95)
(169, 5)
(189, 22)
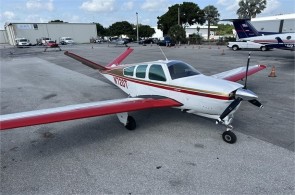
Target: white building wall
(3, 37)
(273, 23)
(81, 33)
(203, 30)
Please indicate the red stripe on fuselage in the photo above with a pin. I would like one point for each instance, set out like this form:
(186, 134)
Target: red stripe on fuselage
(172, 88)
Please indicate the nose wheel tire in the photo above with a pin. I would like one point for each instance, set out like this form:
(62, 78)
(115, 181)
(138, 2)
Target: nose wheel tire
(229, 137)
(131, 124)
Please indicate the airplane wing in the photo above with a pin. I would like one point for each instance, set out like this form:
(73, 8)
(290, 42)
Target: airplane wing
(238, 73)
(85, 61)
(85, 110)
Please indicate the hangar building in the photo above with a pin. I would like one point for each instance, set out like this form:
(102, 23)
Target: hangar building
(284, 23)
(79, 32)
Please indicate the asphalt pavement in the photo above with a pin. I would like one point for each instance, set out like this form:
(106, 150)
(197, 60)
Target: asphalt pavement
(170, 152)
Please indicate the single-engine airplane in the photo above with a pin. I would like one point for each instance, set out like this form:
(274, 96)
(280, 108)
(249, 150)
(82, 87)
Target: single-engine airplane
(163, 83)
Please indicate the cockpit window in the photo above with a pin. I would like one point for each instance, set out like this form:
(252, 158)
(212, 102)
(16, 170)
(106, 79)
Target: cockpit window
(129, 71)
(180, 69)
(156, 73)
(140, 71)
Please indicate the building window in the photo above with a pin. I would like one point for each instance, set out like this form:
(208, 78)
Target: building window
(35, 26)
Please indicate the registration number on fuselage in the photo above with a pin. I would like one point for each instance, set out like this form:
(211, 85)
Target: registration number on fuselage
(121, 82)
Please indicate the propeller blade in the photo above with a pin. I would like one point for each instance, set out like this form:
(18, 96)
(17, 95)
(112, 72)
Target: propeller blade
(256, 103)
(247, 68)
(230, 108)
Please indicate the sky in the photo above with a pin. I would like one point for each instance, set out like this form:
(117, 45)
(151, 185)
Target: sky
(107, 12)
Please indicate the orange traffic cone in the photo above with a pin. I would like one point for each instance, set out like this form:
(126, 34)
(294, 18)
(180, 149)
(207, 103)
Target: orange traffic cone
(273, 72)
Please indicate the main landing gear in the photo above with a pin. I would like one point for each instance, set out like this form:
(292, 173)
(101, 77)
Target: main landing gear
(131, 124)
(228, 136)
(128, 121)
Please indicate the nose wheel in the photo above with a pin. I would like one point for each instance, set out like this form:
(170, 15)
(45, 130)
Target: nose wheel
(229, 137)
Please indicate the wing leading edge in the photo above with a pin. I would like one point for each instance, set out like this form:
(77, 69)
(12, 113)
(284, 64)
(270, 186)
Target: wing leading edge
(85, 110)
(238, 73)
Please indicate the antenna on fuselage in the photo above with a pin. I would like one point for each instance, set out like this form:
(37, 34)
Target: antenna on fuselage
(163, 53)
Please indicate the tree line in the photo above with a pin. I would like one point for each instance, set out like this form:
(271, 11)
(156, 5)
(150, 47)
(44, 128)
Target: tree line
(125, 28)
(180, 16)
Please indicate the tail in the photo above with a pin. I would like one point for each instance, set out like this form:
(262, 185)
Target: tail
(280, 41)
(244, 28)
(94, 65)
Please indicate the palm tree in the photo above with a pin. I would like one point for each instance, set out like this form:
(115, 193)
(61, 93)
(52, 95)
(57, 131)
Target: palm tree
(211, 15)
(250, 8)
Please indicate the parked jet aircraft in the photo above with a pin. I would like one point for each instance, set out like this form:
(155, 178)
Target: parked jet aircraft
(246, 31)
(163, 83)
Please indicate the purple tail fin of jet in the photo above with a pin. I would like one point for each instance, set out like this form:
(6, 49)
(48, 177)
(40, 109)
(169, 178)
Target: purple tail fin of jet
(244, 28)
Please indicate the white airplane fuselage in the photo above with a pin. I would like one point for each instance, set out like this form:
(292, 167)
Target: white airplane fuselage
(287, 38)
(199, 94)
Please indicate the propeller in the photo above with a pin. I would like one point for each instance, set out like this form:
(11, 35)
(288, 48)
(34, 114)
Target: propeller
(242, 94)
(247, 68)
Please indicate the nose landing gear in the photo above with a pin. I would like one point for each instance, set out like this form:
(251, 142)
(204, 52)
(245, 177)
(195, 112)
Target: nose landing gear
(228, 136)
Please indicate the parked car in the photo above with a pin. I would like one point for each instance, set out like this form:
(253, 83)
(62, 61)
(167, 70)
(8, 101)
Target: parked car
(146, 41)
(52, 44)
(98, 40)
(66, 40)
(21, 42)
(167, 41)
(247, 45)
(45, 40)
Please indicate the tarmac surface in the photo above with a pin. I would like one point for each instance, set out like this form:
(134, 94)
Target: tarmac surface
(169, 153)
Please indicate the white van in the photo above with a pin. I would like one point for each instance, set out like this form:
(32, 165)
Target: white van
(21, 42)
(66, 40)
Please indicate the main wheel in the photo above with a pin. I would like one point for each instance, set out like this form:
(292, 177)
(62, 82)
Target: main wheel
(229, 137)
(235, 47)
(131, 124)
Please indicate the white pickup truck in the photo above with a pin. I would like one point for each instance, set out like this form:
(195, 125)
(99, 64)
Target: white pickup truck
(246, 45)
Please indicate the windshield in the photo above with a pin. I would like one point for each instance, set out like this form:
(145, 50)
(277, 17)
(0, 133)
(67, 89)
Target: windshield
(68, 38)
(23, 40)
(178, 69)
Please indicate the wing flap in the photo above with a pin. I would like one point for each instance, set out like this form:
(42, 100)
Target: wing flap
(85, 110)
(238, 73)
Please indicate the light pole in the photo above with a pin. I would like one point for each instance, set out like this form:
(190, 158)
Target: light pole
(137, 27)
